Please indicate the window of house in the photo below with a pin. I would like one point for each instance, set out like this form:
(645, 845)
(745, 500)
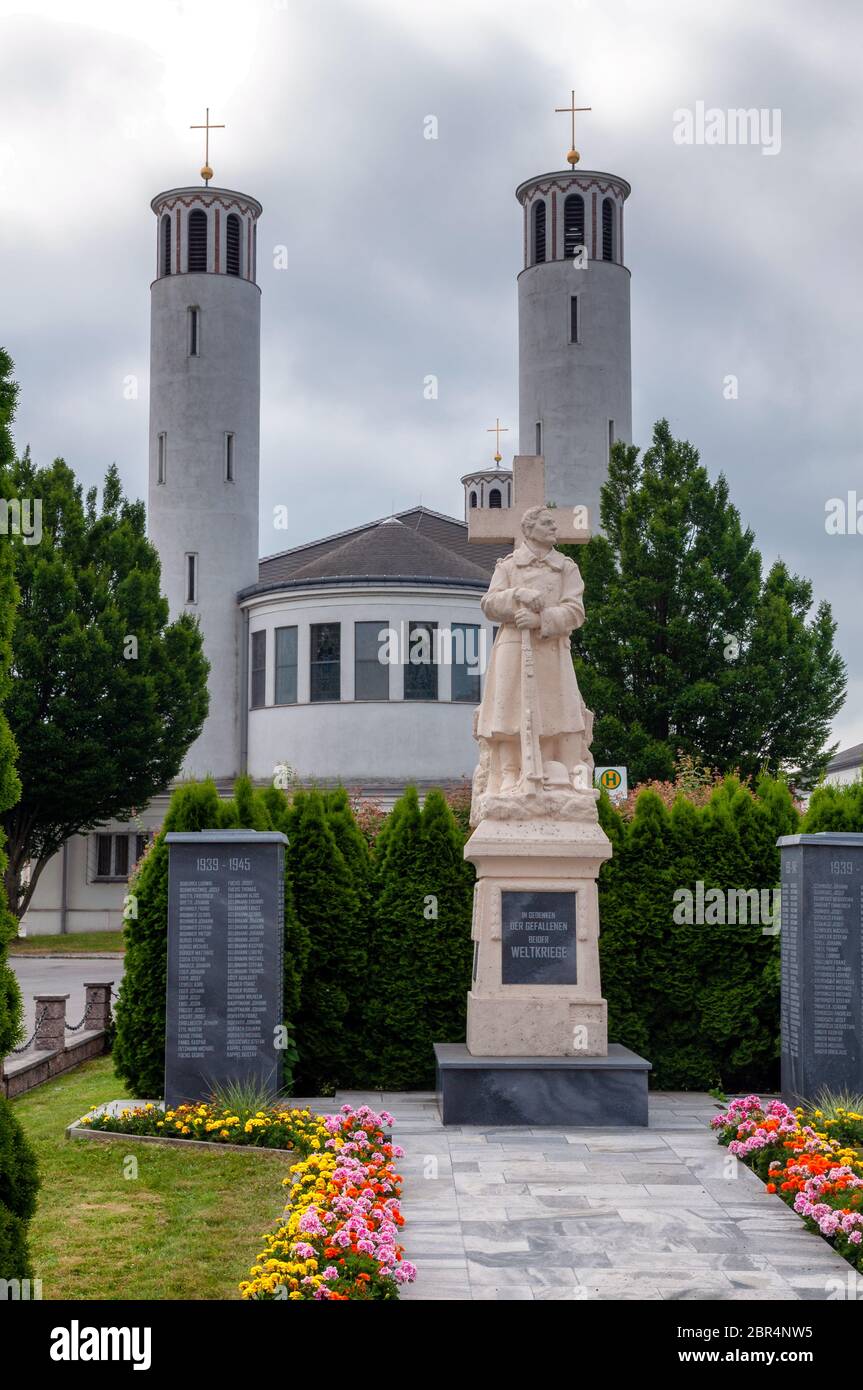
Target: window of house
(420, 663)
(610, 436)
(286, 666)
(538, 449)
(194, 330)
(465, 660)
(371, 674)
(161, 457)
(114, 852)
(326, 662)
(259, 669)
(191, 578)
(229, 457)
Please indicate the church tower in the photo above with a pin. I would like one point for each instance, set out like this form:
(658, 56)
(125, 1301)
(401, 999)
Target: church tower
(575, 392)
(205, 330)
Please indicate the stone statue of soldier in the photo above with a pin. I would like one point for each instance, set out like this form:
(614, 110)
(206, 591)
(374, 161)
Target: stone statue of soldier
(538, 590)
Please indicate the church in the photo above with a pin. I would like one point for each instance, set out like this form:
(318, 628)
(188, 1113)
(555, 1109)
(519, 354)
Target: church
(357, 658)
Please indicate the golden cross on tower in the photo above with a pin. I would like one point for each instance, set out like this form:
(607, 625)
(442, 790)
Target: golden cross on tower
(206, 171)
(573, 157)
(498, 429)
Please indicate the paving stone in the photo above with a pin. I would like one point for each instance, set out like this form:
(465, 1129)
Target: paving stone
(561, 1214)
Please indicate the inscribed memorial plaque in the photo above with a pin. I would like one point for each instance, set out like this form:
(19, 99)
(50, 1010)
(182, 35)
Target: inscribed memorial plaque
(538, 945)
(822, 964)
(225, 961)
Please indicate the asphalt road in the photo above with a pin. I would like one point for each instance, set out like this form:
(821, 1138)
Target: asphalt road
(49, 975)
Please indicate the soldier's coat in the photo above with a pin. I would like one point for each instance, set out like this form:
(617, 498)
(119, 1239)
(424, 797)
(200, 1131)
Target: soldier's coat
(559, 582)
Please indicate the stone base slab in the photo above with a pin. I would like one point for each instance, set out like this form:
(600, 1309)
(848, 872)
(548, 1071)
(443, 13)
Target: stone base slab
(580, 1092)
(520, 1024)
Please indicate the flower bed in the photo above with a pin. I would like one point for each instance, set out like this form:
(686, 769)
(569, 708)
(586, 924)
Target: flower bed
(818, 1174)
(265, 1129)
(337, 1240)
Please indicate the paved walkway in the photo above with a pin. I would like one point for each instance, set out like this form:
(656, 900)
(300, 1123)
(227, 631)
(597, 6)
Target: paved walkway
(573, 1214)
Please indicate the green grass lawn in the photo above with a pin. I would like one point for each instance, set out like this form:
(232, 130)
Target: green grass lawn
(73, 942)
(187, 1227)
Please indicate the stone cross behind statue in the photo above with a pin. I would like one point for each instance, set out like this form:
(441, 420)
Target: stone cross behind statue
(532, 726)
(502, 525)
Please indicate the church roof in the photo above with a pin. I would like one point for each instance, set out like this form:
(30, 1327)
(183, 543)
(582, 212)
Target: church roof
(417, 544)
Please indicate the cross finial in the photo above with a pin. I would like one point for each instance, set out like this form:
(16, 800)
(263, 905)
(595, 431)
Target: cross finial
(573, 157)
(497, 429)
(206, 171)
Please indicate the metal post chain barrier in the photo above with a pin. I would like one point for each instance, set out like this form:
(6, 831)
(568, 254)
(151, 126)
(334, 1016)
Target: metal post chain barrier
(76, 1027)
(31, 1040)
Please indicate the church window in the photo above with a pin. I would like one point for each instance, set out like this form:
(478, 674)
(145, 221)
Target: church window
(538, 449)
(232, 248)
(573, 318)
(258, 666)
(191, 578)
(166, 245)
(197, 240)
(194, 330)
(607, 229)
(229, 457)
(573, 224)
(466, 638)
(538, 216)
(326, 661)
(371, 669)
(286, 666)
(420, 665)
(473, 499)
(494, 497)
(161, 457)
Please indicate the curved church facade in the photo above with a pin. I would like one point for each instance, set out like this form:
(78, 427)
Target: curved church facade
(357, 658)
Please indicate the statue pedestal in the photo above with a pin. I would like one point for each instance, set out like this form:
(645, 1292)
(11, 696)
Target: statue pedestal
(537, 1045)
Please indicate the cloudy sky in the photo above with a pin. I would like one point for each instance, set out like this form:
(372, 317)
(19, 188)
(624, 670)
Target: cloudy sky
(403, 252)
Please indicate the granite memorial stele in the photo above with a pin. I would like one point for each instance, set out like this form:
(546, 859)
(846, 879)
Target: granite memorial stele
(225, 985)
(822, 965)
(537, 1050)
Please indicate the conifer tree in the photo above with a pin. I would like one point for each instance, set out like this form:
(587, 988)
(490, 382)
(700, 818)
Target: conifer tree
(685, 647)
(335, 982)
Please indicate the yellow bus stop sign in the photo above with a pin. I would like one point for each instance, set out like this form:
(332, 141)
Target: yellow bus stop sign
(613, 780)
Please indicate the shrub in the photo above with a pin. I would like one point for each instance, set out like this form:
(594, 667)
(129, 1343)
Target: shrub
(700, 1001)
(421, 944)
(835, 808)
(19, 1183)
(329, 1022)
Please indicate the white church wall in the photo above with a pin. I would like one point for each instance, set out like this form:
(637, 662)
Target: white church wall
(358, 740)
